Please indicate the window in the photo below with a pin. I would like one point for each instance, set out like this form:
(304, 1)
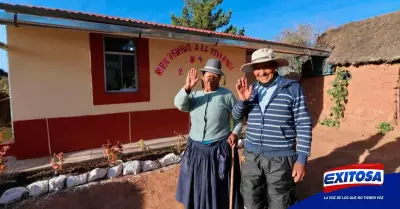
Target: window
(120, 64)
(120, 69)
(317, 66)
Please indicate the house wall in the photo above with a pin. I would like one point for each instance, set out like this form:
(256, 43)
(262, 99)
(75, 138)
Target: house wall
(52, 93)
(371, 100)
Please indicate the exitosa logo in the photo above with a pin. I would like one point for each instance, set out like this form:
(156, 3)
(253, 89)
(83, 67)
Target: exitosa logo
(353, 175)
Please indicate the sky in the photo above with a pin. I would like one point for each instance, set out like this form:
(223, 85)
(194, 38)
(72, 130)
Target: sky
(260, 18)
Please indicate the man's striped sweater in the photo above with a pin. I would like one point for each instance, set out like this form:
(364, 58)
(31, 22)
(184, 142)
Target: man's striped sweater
(285, 118)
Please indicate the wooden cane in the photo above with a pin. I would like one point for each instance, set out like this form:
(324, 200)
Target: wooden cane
(232, 176)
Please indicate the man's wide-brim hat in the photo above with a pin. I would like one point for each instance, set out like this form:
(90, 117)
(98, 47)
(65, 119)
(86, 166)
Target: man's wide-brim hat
(213, 66)
(263, 56)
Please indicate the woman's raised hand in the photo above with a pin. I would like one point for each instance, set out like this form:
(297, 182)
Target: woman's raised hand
(191, 79)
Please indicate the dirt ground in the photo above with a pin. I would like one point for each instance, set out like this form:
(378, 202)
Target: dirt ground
(156, 190)
(149, 190)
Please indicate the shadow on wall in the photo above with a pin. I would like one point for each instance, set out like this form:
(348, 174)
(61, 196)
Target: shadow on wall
(349, 154)
(313, 80)
(105, 196)
(314, 91)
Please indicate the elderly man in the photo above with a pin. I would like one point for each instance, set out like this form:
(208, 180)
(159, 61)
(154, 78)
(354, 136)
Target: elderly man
(274, 161)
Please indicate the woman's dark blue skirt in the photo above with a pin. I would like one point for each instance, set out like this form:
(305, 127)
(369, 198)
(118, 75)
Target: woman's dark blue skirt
(204, 179)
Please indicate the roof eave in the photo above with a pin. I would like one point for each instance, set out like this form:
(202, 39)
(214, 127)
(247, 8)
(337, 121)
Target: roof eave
(62, 20)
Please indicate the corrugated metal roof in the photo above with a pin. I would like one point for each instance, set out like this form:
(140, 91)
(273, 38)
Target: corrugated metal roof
(85, 16)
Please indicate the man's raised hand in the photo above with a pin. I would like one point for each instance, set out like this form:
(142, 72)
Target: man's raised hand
(244, 91)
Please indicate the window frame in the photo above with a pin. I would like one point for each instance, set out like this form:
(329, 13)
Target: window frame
(97, 64)
(105, 52)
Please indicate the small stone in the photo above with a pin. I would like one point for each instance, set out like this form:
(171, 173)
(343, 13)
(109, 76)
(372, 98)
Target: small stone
(114, 171)
(38, 188)
(149, 165)
(169, 159)
(76, 180)
(131, 167)
(56, 184)
(97, 173)
(13, 195)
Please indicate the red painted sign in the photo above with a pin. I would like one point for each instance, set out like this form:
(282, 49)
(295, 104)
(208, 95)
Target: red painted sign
(185, 48)
(192, 59)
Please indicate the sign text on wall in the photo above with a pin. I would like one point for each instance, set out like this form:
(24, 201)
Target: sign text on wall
(184, 48)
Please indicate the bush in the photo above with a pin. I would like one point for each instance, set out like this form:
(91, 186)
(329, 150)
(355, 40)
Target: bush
(338, 95)
(3, 161)
(4, 85)
(143, 145)
(57, 162)
(384, 127)
(113, 152)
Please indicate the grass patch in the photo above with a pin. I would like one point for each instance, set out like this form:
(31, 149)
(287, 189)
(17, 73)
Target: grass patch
(384, 127)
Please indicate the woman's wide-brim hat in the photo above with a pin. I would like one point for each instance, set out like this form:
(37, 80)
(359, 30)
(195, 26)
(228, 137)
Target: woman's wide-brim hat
(213, 66)
(263, 55)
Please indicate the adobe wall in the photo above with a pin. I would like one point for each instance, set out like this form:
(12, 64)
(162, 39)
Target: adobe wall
(372, 97)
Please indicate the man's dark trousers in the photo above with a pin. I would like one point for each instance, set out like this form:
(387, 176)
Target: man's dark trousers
(267, 182)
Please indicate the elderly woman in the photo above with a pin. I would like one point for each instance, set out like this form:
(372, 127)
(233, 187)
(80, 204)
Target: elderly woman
(204, 179)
